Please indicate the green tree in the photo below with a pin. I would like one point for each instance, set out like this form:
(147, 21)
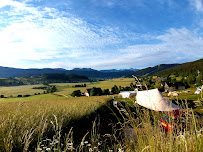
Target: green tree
(93, 92)
(106, 92)
(147, 83)
(190, 79)
(159, 85)
(199, 80)
(173, 80)
(115, 90)
(76, 93)
(53, 89)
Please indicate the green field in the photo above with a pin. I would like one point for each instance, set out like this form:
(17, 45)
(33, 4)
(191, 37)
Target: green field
(19, 90)
(26, 121)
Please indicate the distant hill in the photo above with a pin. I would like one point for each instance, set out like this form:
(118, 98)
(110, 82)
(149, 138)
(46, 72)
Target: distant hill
(91, 73)
(184, 69)
(58, 77)
(152, 70)
(6, 72)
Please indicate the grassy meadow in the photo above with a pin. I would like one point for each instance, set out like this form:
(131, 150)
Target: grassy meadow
(13, 91)
(44, 122)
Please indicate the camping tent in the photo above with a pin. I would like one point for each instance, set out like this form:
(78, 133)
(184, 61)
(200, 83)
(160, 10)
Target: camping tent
(127, 94)
(154, 100)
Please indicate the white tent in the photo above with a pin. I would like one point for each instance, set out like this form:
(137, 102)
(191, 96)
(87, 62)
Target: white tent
(127, 94)
(154, 100)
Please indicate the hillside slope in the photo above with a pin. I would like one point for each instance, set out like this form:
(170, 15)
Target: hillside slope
(6, 72)
(152, 70)
(183, 69)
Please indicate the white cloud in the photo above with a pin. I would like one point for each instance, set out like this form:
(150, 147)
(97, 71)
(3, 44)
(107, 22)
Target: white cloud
(36, 33)
(197, 4)
(176, 45)
(47, 37)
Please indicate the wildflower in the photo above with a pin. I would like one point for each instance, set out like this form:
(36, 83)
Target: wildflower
(120, 150)
(88, 145)
(48, 149)
(86, 142)
(44, 147)
(39, 149)
(95, 147)
(69, 144)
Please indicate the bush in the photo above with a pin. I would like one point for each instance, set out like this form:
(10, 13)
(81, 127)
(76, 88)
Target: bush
(199, 80)
(95, 92)
(27, 95)
(79, 85)
(76, 93)
(19, 95)
(106, 92)
(115, 90)
(2, 96)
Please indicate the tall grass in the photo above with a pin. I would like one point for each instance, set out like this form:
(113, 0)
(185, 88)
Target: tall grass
(23, 124)
(47, 123)
(150, 136)
(39, 127)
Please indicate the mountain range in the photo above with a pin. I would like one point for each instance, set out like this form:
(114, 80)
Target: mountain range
(6, 72)
(160, 70)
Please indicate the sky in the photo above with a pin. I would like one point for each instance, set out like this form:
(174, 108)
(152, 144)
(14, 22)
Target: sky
(99, 34)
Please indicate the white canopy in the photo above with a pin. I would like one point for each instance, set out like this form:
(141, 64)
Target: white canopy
(127, 94)
(154, 100)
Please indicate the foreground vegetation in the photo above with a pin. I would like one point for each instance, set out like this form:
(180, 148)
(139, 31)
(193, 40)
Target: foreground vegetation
(59, 122)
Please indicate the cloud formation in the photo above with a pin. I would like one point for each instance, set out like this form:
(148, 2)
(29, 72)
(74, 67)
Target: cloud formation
(40, 36)
(176, 45)
(34, 33)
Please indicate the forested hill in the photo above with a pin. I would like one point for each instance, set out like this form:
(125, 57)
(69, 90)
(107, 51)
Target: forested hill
(189, 68)
(58, 77)
(152, 70)
(6, 72)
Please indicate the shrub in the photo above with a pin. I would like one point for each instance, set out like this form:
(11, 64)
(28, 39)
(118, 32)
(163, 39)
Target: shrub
(79, 85)
(2, 96)
(106, 92)
(115, 90)
(27, 95)
(95, 92)
(19, 95)
(76, 93)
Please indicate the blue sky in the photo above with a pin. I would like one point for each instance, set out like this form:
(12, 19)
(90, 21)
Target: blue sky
(99, 34)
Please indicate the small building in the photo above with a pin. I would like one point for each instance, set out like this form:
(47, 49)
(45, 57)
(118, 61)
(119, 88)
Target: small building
(169, 87)
(98, 91)
(127, 94)
(180, 86)
(158, 79)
